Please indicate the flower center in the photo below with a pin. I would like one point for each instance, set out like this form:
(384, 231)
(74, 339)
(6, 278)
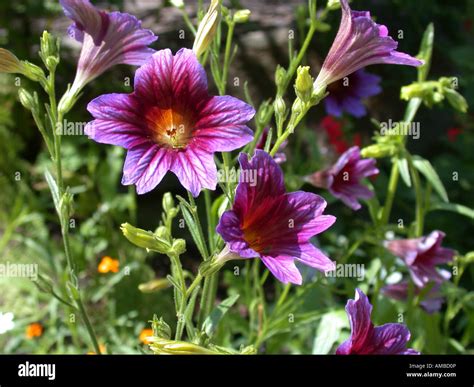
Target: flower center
(170, 127)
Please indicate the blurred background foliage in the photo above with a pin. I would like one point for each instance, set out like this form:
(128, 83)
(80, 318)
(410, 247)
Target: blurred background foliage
(29, 232)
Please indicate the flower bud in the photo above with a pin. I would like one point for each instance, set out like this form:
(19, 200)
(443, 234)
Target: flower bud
(378, 151)
(207, 28)
(9, 63)
(33, 72)
(154, 285)
(173, 347)
(162, 232)
(145, 239)
(242, 16)
(49, 46)
(179, 246)
(168, 202)
(279, 106)
(161, 328)
(26, 99)
(304, 84)
(280, 76)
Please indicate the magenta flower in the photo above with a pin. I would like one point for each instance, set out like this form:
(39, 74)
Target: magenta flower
(365, 339)
(266, 222)
(359, 42)
(421, 255)
(170, 123)
(343, 178)
(431, 302)
(107, 39)
(347, 95)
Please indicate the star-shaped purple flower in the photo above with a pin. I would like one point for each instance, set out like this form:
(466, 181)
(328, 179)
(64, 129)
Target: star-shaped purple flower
(343, 179)
(422, 255)
(359, 42)
(266, 222)
(365, 339)
(107, 39)
(170, 123)
(347, 95)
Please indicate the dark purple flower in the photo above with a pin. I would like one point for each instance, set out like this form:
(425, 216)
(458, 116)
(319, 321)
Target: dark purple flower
(346, 95)
(343, 178)
(107, 39)
(365, 339)
(359, 42)
(421, 255)
(170, 123)
(268, 223)
(431, 302)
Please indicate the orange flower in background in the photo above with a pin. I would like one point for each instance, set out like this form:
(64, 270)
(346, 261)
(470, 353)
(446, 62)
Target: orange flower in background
(102, 348)
(145, 334)
(34, 330)
(107, 265)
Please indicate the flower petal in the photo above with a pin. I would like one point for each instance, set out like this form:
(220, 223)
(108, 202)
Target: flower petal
(195, 169)
(284, 269)
(221, 126)
(117, 121)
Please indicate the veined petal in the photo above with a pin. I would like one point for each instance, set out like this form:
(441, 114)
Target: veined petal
(283, 268)
(167, 80)
(145, 167)
(195, 169)
(118, 121)
(268, 183)
(391, 339)
(221, 126)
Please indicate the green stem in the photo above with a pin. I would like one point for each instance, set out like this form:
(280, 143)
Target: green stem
(392, 189)
(56, 118)
(88, 324)
(228, 46)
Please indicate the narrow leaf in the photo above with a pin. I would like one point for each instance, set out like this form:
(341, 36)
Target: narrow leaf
(212, 321)
(425, 167)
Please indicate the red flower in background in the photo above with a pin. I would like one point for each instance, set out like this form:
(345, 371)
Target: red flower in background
(453, 133)
(333, 129)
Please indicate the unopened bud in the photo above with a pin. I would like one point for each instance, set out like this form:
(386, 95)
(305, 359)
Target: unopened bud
(304, 84)
(242, 16)
(207, 28)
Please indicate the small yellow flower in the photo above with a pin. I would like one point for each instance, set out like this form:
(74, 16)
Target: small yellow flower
(34, 330)
(107, 265)
(146, 336)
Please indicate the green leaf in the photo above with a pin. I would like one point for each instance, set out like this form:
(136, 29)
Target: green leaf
(193, 229)
(456, 100)
(411, 109)
(328, 332)
(453, 207)
(53, 187)
(426, 51)
(404, 171)
(425, 167)
(212, 321)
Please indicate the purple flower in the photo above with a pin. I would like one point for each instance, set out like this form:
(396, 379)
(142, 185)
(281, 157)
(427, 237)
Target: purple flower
(170, 123)
(266, 222)
(431, 302)
(108, 39)
(365, 339)
(343, 178)
(347, 95)
(421, 255)
(360, 42)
